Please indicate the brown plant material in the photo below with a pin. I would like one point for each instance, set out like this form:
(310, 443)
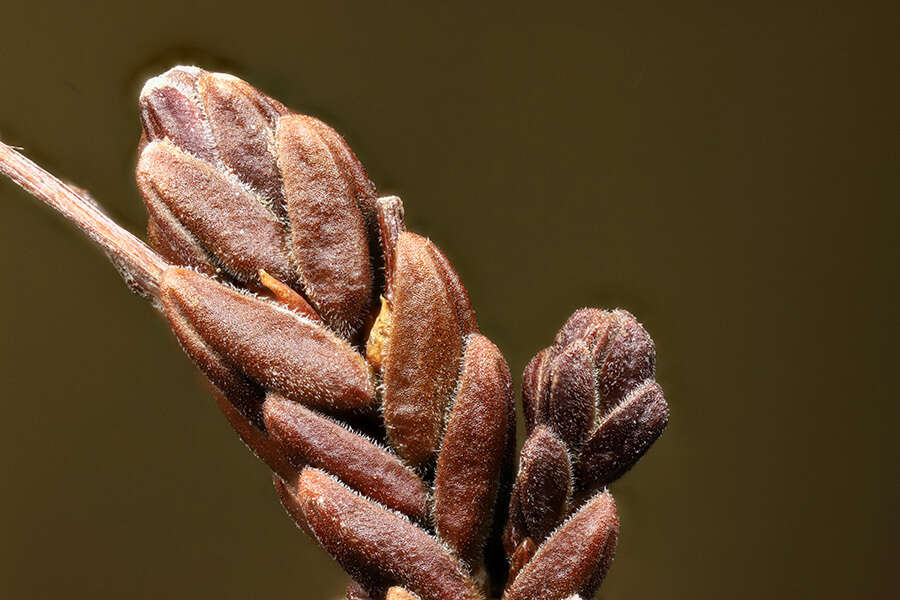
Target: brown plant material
(583, 387)
(593, 391)
(623, 436)
(391, 224)
(288, 298)
(355, 592)
(533, 386)
(235, 183)
(139, 266)
(571, 381)
(575, 559)
(308, 438)
(329, 239)
(523, 553)
(472, 455)
(398, 593)
(378, 547)
(376, 346)
(459, 297)
(266, 449)
(542, 491)
(421, 365)
(283, 351)
(286, 490)
(274, 263)
(182, 191)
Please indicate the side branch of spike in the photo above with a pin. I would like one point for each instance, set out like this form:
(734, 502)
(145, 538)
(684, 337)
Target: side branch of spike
(139, 265)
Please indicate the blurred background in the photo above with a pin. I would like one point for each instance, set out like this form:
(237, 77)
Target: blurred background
(728, 173)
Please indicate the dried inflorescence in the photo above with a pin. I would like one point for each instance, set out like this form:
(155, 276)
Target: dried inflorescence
(345, 352)
(592, 408)
(234, 183)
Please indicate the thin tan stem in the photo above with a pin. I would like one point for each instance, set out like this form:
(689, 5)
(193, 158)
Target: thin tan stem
(138, 264)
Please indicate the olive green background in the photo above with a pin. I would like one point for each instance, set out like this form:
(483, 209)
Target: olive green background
(727, 173)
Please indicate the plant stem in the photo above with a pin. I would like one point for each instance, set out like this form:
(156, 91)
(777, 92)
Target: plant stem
(138, 264)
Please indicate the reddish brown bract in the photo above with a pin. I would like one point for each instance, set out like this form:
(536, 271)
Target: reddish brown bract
(281, 350)
(378, 547)
(543, 489)
(623, 437)
(228, 222)
(422, 361)
(329, 239)
(473, 451)
(308, 438)
(575, 559)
